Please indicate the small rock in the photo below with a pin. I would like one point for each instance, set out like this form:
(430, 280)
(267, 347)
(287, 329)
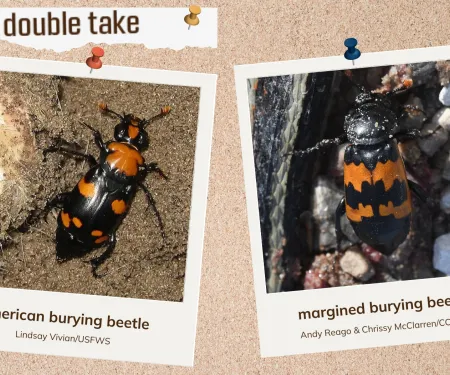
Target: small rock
(441, 254)
(314, 280)
(440, 158)
(430, 99)
(436, 177)
(434, 137)
(356, 264)
(444, 95)
(336, 168)
(446, 169)
(325, 200)
(385, 277)
(373, 255)
(413, 120)
(442, 118)
(410, 151)
(440, 225)
(445, 200)
(422, 72)
(443, 68)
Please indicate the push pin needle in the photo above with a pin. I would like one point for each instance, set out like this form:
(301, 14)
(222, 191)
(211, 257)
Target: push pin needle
(192, 19)
(94, 61)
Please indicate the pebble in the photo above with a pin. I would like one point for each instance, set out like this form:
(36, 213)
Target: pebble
(430, 100)
(325, 200)
(440, 225)
(423, 72)
(356, 264)
(372, 254)
(434, 136)
(441, 254)
(314, 280)
(337, 162)
(443, 68)
(445, 200)
(442, 118)
(413, 120)
(446, 169)
(410, 151)
(444, 95)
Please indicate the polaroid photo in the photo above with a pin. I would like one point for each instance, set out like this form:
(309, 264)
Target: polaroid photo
(103, 191)
(347, 174)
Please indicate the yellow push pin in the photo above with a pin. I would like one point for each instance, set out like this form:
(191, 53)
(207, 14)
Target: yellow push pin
(192, 19)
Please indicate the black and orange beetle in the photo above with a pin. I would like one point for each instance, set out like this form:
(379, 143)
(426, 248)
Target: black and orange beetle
(377, 197)
(91, 213)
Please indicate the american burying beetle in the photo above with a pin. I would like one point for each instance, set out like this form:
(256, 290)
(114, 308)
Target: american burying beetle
(377, 198)
(92, 212)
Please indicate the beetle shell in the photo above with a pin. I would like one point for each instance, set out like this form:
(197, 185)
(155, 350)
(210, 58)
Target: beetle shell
(91, 213)
(377, 195)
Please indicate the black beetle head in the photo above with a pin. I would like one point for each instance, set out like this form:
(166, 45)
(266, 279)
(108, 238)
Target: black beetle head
(131, 129)
(372, 121)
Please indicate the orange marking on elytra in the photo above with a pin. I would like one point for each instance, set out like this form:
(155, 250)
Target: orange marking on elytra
(124, 158)
(96, 233)
(398, 211)
(389, 172)
(77, 222)
(356, 174)
(101, 239)
(65, 218)
(87, 189)
(133, 131)
(118, 206)
(356, 214)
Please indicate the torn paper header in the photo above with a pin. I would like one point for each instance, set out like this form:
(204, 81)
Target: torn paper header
(62, 29)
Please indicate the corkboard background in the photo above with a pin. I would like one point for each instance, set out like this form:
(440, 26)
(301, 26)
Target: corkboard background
(227, 333)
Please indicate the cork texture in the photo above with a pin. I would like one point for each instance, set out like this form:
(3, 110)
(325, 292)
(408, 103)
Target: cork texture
(227, 334)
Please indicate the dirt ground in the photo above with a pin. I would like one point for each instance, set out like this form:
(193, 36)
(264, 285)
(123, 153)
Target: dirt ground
(36, 108)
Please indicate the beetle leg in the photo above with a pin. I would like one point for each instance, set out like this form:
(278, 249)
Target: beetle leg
(97, 262)
(97, 137)
(153, 167)
(419, 191)
(88, 157)
(151, 202)
(407, 135)
(340, 211)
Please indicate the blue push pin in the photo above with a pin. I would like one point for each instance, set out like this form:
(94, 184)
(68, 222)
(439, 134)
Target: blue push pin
(352, 52)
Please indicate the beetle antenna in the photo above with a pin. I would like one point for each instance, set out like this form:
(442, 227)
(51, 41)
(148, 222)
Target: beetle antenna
(164, 112)
(401, 88)
(323, 143)
(88, 126)
(104, 108)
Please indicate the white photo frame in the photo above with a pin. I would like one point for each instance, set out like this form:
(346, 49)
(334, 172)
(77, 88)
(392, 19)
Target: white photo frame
(170, 338)
(280, 328)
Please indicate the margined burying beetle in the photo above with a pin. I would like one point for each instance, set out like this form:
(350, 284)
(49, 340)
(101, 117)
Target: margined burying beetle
(377, 193)
(92, 212)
